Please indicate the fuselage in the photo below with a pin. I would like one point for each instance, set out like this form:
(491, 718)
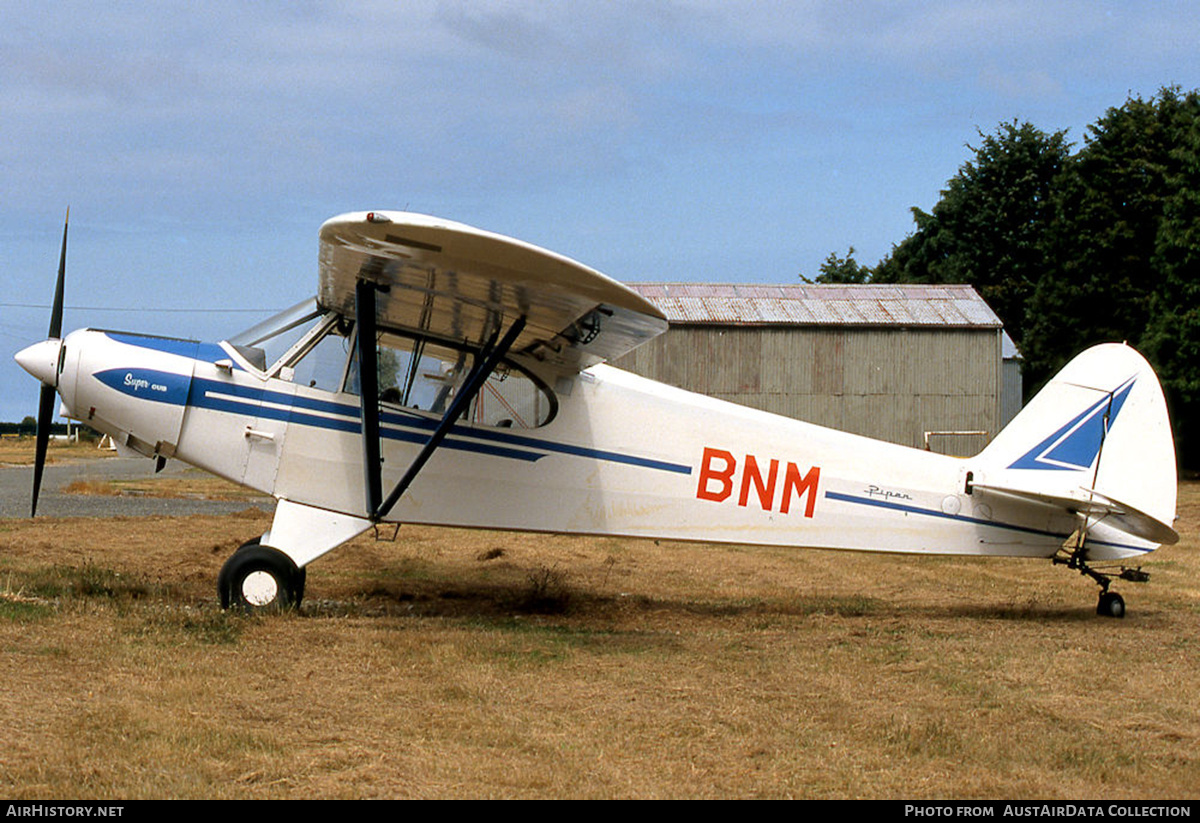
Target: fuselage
(621, 455)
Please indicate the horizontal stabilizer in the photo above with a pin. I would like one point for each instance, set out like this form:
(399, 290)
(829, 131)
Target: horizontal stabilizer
(1097, 507)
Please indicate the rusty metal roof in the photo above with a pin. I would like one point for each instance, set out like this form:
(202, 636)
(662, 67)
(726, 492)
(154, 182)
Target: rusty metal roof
(820, 305)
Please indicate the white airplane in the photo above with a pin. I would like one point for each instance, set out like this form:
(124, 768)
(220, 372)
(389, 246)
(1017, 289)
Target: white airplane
(447, 375)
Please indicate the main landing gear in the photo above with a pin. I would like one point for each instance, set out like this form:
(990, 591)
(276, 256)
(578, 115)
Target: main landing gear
(1110, 604)
(260, 579)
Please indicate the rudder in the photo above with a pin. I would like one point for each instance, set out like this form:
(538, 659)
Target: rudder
(1098, 432)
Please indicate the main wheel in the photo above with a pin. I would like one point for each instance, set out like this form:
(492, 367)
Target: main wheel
(259, 578)
(1111, 605)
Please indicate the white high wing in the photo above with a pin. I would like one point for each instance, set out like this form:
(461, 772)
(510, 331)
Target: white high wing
(447, 375)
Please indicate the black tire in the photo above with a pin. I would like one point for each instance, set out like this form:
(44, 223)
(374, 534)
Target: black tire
(300, 580)
(259, 579)
(248, 544)
(1111, 605)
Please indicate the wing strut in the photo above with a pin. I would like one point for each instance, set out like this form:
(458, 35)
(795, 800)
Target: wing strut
(368, 381)
(368, 390)
(484, 366)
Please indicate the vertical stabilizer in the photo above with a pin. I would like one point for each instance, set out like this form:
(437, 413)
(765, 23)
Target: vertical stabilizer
(1097, 435)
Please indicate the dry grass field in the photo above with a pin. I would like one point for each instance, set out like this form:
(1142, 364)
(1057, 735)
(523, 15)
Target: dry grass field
(18, 451)
(479, 664)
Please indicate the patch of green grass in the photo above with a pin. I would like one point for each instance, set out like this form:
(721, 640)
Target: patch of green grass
(205, 626)
(726, 608)
(1161, 564)
(408, 568)
(539, 628)
(216, 629)
(926, 738)
(538, 642)
(24, 611)
(39, 593)
(51, 651)
(530, 656)
(1096, 762)
(853, 606)
(86, 581)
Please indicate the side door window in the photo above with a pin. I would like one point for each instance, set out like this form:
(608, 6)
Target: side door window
(427, 375)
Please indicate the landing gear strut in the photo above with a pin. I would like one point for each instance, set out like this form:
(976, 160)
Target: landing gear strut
(1110, 604)
(260, 579)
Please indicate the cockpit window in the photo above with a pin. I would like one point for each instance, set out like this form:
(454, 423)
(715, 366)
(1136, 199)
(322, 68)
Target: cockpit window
(316, 349)
(426, 375)
(323, 364)
(418, 374)
(512, 399)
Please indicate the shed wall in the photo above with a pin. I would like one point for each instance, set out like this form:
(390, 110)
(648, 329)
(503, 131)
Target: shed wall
(893, 384)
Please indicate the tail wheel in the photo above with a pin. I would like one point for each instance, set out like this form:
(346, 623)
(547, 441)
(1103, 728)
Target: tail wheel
(1111, 605)
(260, 579)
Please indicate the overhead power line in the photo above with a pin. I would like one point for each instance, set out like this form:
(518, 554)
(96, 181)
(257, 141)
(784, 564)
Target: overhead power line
(136, 310)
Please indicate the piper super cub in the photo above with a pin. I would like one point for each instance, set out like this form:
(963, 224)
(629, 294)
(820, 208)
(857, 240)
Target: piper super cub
(448, 375)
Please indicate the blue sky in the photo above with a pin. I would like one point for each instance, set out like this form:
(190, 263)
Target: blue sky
(200, 146)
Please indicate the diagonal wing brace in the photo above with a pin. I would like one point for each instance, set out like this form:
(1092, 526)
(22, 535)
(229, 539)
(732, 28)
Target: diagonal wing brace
(484, 365)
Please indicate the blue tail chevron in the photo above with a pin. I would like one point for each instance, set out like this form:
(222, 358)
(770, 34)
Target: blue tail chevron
(1076, 444)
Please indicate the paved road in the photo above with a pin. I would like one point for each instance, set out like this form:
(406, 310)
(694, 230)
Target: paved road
(16, 484)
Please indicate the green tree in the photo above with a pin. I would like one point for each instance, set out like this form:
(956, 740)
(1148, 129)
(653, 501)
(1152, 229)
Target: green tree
(987, 229)
(1126, 242)
(1072, 250)
(1172, 337)
(1107, 208)
(843, 269)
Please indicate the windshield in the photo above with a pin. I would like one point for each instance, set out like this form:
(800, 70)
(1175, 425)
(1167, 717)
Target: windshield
(265, 343)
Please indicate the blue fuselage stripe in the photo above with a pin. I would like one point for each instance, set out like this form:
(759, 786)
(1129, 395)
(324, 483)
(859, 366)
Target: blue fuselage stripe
(232, 398)
(909, 509)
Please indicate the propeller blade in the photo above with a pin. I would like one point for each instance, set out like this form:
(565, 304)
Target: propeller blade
(45, 412)
(56, 312)
(46, 398)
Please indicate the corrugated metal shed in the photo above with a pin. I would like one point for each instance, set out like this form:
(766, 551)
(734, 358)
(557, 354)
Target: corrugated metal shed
(1012, 387)
(906, 305)
(887, 361)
